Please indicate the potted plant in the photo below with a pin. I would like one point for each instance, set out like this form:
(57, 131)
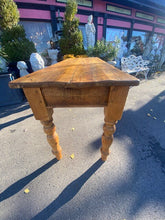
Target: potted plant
(104, 50)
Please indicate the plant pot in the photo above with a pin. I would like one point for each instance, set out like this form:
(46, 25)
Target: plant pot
(12, 68)
(9, 96)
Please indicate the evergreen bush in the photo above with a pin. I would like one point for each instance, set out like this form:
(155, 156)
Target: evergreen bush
(9, 14)
(14, 44)
(71, 41)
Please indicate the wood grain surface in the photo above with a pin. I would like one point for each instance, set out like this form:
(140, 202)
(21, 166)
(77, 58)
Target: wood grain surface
(75, 73)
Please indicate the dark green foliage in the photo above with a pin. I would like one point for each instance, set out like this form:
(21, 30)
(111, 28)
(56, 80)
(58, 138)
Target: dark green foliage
(9, 14)
(17, 32)
(104, 50)
(15, 45)
(19, 50)
(72, 40)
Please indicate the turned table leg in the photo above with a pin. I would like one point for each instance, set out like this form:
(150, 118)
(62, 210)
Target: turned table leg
(52, 137)
(44, 114)
(109, 129)
(112, 112)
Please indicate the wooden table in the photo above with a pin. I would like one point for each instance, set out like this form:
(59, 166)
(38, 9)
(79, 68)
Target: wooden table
(77, 82)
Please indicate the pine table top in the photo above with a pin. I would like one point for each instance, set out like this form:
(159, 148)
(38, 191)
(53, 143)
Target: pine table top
(75, 73)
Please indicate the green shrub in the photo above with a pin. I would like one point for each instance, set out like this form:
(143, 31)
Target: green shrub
(10, 34)
(71, 41)
(15, 45)
(104, 50)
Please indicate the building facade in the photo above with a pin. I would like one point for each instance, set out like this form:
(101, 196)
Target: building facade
(134, 22)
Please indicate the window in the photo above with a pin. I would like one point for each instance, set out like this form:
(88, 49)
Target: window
(86, 3)
(114, 33)
(144, 16)
(39, 32)
(138, 42)
(118, 9)
(161, 20)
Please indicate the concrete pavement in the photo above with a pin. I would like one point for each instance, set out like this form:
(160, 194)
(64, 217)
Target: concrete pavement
(129, 185)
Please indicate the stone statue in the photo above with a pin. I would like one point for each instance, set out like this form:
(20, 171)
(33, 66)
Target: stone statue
(90, 32)
(21, 65)
(36, 61)
(53, 55)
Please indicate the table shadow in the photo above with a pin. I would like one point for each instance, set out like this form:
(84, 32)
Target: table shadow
(12, 109)
(9, 123)
(20, 184)
(68, 193)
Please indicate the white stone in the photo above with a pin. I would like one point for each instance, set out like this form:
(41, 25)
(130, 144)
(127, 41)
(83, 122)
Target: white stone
(53, 55)
(90, 32)
(22, 66)
(36, 61)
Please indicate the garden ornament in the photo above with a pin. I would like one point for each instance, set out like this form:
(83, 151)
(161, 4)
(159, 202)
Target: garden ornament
(36, 61)
(53, 55)
(22, 66)
(90, 32)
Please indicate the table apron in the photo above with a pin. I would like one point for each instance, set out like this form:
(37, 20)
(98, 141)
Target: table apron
(76, 97)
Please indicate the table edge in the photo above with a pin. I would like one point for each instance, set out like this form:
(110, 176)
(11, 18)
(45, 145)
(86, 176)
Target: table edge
(13, 84)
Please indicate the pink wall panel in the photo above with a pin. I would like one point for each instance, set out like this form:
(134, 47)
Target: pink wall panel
(83, 18)
(117, 23)
(160, 30)
(142, 27)
(35, 14)
(99, 5)
(99, 32)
